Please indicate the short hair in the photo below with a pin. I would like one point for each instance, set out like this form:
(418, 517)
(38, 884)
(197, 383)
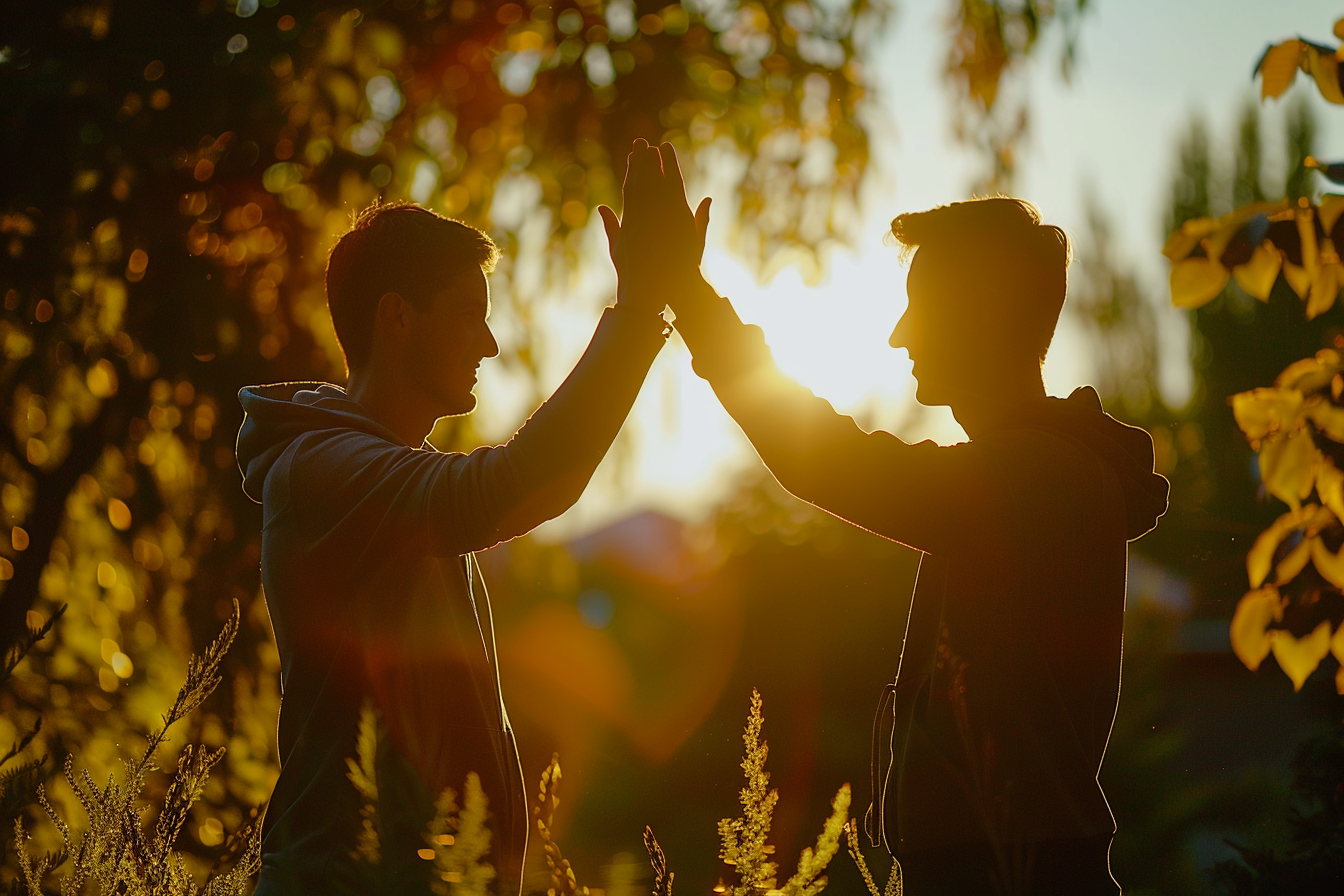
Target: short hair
(396, 247)
(1024, 277)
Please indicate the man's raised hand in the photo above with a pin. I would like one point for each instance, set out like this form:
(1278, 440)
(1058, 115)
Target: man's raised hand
(657, 243)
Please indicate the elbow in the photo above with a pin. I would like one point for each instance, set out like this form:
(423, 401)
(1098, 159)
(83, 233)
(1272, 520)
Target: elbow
(541, 503)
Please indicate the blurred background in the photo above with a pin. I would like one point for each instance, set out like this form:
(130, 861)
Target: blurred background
(172, 176)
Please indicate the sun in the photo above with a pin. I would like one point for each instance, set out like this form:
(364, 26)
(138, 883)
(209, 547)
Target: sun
(831, 338)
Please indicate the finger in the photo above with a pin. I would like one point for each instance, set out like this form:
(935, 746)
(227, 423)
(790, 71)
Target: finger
(625, 182)
(672, 170)
(645, 173)
(612, 226)
(702, 222)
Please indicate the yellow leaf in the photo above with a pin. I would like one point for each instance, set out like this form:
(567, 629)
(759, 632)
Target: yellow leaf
(1260, 558)
(1339, 29)
(1330, 208)
(1257, 276)
(1324, 289)
(1278, 67)
(1299, 657)
(1230, 224)
(119, 514)
(1196, 281)
(1250, 624)
(1311, 249)
(1330, 488)
(1288, 465)
(1323, 65)
(1296, 561)
(1266, 412)
(1186, 237)
(1328, 418)
(1337, 648)
(1299, 278)
(1311, 374)
(1329, 565)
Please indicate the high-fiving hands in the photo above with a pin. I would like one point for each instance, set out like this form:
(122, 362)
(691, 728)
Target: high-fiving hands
(657, 243)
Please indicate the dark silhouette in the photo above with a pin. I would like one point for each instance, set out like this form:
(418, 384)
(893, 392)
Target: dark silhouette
(367, 562)
(988, 745)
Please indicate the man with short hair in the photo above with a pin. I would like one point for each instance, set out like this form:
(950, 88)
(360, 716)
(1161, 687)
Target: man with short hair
(1010, 671)
(368, 548)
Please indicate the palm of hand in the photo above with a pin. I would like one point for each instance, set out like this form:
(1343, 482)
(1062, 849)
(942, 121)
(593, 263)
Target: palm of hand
(657, 244)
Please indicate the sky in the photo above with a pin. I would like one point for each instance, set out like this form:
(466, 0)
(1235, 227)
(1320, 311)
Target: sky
(1145, 68)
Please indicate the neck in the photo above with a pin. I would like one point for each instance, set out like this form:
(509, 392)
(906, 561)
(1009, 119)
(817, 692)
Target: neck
(981, 409)
(392, 404)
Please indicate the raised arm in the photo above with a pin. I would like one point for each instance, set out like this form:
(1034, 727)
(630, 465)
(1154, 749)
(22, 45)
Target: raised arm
(494, 494)
(916, 494)
(919, 495)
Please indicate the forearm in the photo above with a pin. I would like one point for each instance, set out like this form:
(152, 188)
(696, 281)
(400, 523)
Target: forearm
(799, 436)
(557, 450)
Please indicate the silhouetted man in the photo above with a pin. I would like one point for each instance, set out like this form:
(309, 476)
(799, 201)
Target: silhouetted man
(368, 541)
(1010, 671)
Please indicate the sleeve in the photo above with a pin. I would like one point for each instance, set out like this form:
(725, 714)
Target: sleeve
(467, 502)
(922, 495)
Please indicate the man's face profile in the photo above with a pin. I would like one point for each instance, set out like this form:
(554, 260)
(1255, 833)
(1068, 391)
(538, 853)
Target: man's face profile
(934, 333)
(446, 342)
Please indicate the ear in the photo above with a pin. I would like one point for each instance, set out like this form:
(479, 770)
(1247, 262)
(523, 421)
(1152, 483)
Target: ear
(392, 312)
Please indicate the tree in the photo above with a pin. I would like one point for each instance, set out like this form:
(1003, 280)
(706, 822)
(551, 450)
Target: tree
(171, 176)
(1297, 425)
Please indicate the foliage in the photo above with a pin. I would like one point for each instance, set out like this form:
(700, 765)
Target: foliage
(1295, 426)
(894, 885)
(460, 842)
(744, 838)
(1279, 65)
(1313, 862)
(115, 851)
(988, 39)
(20, 784)
(456, 841)
(563, 882)
(171, 177)
(662, 878)
(364, 776)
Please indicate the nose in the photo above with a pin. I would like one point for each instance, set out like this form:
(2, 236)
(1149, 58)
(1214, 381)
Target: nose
(489, 345)
(900, 336)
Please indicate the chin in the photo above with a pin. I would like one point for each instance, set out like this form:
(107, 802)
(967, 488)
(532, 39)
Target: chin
(928, 396)
(458, 405)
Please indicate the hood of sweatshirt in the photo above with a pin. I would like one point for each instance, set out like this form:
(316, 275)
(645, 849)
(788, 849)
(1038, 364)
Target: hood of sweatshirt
(1127, 449)
(277, 415)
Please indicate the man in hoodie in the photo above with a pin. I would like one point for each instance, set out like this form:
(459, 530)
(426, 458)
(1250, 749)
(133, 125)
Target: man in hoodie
(368, 538)
(1010, 670)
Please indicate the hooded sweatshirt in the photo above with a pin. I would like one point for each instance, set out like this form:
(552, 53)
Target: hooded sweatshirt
(379, 611)
(995, 728)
